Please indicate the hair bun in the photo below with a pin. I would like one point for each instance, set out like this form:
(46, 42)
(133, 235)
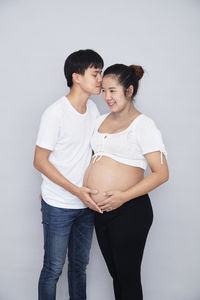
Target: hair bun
(138, 71)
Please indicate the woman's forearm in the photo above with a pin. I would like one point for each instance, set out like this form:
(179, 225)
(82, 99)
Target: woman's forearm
(145, 186)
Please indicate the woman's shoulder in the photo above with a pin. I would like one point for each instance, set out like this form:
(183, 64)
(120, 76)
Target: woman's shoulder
(145, 122)
(145, 119)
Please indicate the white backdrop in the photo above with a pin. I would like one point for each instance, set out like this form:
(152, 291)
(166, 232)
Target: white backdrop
(162, 36)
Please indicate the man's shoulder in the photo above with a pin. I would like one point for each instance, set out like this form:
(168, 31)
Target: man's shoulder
(56, 108)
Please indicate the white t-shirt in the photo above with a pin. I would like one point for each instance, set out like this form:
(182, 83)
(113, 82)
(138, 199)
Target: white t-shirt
(130, 145)
(67, 134)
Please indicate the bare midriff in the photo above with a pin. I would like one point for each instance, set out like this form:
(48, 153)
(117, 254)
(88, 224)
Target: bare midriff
(107, 174)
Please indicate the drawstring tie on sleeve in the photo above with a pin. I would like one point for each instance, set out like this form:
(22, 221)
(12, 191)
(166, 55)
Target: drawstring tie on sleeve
(98, 155)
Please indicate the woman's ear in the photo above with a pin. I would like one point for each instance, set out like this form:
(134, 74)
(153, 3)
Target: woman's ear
(129, 91)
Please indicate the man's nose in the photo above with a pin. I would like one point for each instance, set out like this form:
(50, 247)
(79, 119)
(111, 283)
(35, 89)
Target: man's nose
(99, 77)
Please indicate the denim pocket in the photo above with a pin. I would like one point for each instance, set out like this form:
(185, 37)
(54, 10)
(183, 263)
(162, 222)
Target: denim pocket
(44, 210)
(45, 218)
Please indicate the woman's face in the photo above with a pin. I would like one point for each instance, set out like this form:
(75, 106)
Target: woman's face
(113, 93)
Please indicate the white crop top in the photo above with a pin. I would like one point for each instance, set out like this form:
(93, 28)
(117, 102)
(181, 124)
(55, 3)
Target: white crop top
(128, 146)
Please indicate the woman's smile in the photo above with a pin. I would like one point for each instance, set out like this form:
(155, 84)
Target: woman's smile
(110, 103)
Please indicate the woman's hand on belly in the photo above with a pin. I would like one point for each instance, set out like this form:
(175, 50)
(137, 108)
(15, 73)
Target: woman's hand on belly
(114, 200)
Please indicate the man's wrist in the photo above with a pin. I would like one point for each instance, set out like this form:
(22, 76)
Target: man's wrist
(74, 189)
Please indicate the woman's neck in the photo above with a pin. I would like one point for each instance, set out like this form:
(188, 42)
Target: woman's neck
(127, 113)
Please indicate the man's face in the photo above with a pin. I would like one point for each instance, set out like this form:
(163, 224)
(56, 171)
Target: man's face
(90, 81)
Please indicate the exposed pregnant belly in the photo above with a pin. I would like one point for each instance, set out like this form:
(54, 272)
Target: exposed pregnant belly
(107, 174)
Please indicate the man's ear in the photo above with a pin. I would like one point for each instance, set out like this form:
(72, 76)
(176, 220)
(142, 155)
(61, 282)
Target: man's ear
(76, 77)
(129, 91)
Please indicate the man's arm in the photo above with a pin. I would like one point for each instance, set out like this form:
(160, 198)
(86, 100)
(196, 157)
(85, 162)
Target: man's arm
(43, 165)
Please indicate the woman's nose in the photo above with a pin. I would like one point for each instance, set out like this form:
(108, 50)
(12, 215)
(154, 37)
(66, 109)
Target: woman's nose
(107, 96)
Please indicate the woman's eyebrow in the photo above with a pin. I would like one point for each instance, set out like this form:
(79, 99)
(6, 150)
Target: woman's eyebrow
(110, 88)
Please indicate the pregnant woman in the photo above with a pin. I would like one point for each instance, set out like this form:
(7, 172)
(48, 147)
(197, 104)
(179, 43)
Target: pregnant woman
(124, 141)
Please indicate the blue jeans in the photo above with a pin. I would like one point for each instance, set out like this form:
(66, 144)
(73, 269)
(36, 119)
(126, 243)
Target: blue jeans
(65, 229)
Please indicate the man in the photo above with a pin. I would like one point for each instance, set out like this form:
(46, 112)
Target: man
(62, 155)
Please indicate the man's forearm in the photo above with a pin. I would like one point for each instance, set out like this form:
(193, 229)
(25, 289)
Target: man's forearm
(46, 168)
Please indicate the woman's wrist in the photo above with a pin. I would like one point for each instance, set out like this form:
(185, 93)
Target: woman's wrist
(125, 196)
(129, 195)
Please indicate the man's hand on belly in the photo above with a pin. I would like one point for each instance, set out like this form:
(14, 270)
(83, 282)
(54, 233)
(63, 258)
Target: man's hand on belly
(84, 196)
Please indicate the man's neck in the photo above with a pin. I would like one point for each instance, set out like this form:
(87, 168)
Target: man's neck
(78, 99)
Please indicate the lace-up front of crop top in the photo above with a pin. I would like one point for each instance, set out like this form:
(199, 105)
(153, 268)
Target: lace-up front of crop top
(130, 145)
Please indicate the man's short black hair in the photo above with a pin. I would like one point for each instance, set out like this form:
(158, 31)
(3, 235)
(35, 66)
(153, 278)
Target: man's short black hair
(79, 61)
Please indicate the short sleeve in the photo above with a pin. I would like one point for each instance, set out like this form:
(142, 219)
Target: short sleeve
(49, 130)
(150, 138)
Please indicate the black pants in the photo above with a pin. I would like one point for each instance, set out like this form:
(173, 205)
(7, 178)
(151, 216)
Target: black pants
(121, 235)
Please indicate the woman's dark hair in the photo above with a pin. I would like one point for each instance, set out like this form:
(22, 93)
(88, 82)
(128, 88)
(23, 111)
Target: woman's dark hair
(79, 61)
(126, 75)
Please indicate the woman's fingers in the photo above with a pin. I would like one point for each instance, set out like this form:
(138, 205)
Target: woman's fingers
(108, 194)
(102, 203)
(106, 208)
